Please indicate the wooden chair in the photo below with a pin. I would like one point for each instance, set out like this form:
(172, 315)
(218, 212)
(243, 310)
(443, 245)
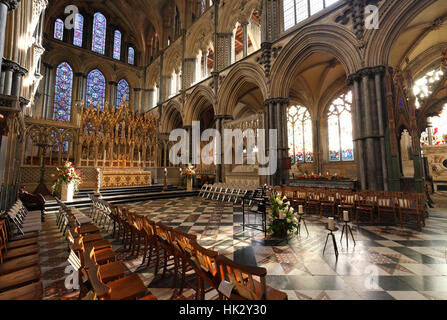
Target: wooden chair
(127, 288)
(108, 272)
(313, 203)
(412, 205)
(8, 252)
(164, 241)
(347, 203)
(204, 263)
(328, 203)
(184, 250)
(249, 282)
(151, 244)
(102, 256)
(386, 205)
(366, 205)
(33, 291)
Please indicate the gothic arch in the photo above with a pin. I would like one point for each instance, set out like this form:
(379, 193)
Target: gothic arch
(232, 87)
(55, 58)
(394, 17)
(171, 112)
(201, 96)
(229, 16)
(334, 40)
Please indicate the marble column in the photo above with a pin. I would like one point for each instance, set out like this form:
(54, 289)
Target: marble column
(5, 6)
(369, 117)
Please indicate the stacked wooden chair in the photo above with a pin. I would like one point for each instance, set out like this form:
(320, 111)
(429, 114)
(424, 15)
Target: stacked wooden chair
(20, 275)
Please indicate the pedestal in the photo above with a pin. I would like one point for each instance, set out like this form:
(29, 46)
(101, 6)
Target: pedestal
(67, 192)
(189, 184)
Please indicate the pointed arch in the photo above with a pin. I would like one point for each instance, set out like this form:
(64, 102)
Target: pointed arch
(201, 96)
(232, 87)
(99, 33)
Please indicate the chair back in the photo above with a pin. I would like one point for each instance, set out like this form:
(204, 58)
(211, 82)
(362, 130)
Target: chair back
(243, 278)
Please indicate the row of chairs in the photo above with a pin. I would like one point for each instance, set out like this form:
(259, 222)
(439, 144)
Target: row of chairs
(20, 272)
(96, 261)
(178, 254)
(225, 192)
(372, 204)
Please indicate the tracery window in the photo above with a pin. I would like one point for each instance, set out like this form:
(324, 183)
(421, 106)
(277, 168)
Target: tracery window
(117, 45)
(341, 146)
(295, 11)
(300, 134)
(422, 87)
(59, 29)
(63, 92)
(78, 30)
(131, 56)
(122, 94)
(99, 33)
(96, 88)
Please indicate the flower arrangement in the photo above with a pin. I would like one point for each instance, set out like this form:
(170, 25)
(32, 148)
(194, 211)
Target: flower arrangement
(190, 172)
(283, 217)
(68, 174)
(328, 176)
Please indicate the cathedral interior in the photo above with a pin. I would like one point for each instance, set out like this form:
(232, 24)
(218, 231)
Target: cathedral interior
(93, 94)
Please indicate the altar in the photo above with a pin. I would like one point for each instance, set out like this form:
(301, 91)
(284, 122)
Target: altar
(124, 178)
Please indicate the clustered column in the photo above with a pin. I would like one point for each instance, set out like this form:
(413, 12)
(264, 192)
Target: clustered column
(112, 94)
(276, 119)
(369, 127)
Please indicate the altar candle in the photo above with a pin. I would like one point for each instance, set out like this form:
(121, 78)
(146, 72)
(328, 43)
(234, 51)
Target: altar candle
(346, 216)
(331, 223)
(139, 157)
(300, 209)
(166, 170)
(105, 154)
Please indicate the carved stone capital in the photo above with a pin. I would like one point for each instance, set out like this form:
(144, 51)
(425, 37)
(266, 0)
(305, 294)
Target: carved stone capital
(11, 4)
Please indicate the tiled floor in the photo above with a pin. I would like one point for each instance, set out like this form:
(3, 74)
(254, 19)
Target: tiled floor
(387, 262)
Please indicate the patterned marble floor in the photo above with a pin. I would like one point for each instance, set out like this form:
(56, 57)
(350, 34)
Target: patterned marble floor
(387, 262)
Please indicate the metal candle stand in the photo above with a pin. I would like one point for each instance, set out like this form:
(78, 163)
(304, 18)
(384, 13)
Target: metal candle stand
(347, 228)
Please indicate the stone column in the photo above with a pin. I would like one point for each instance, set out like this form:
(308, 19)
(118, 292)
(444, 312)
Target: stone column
(19, 72)
(148, 99)
(5, 6)
(137, 100)
(220, 168)
(205, 64)
(276, 116)
(245, 39)
(79, 87)
(113, 94)
(189, 130)
(430, 132)
(369, 127)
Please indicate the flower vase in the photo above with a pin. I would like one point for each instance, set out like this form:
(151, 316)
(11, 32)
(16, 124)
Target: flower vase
(67, 192)
(279, 229)
(189, 184)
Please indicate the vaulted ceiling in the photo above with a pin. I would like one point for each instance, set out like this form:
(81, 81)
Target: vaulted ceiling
(138, 17)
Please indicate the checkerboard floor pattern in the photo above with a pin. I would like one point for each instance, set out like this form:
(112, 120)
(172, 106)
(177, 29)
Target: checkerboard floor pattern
(387, 263)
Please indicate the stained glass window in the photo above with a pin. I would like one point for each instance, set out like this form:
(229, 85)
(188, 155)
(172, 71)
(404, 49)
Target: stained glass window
(117, 45)
(122, 92)
(63, 92)
(59, 29)
(99, 33)
(300, 134)
(78, 30)
(131, 56)
(96, 89)
(438, 130)
(340, 129)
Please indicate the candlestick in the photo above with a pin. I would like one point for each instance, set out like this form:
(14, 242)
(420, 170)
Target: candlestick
(331, 223)
(346, 216)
